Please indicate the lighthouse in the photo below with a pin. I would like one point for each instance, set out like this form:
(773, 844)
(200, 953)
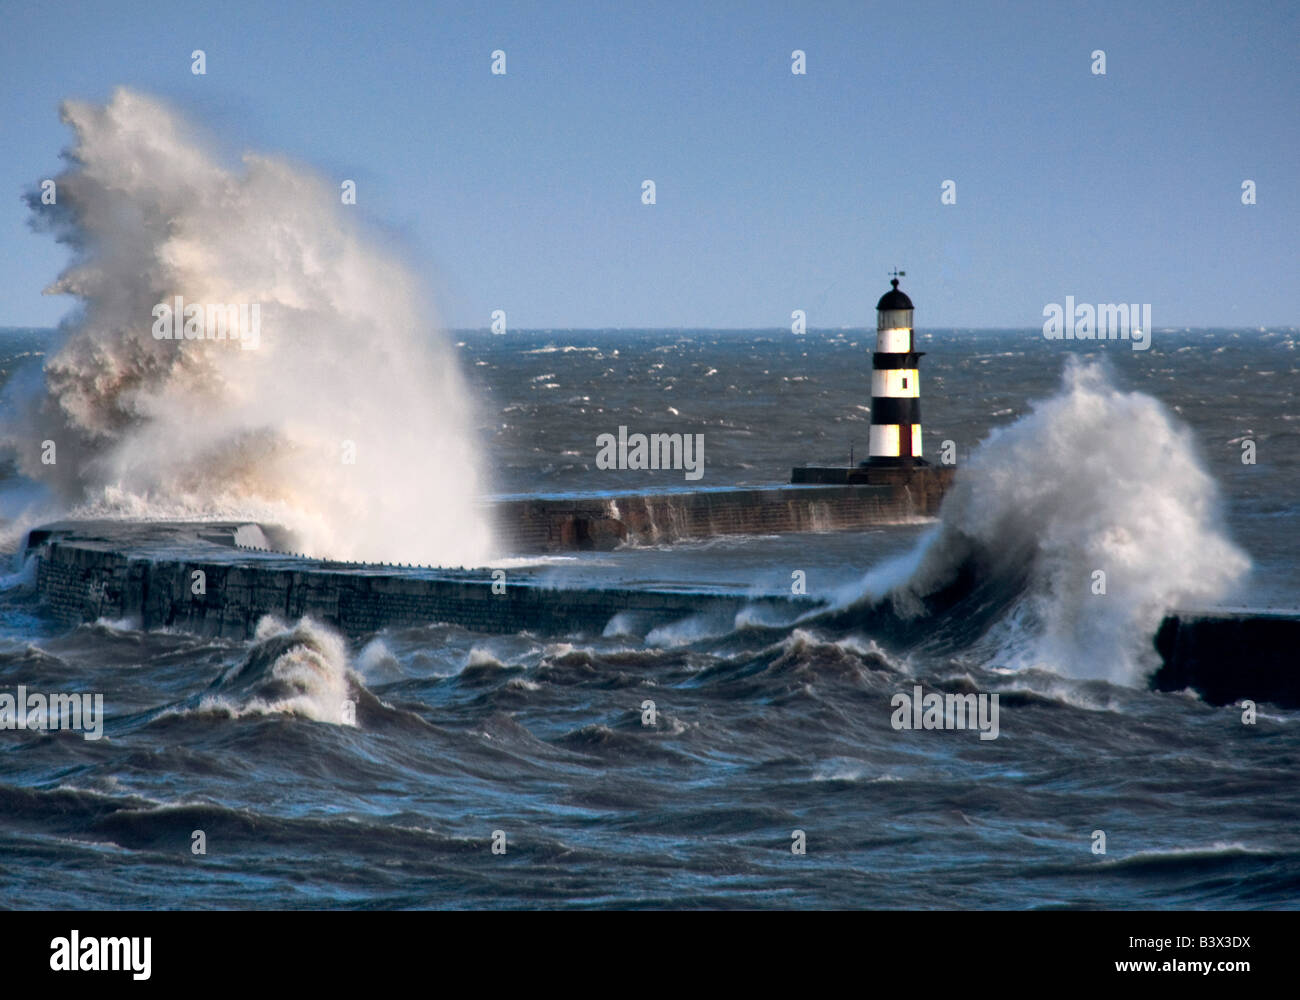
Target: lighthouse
(894, 473)
(895, 436)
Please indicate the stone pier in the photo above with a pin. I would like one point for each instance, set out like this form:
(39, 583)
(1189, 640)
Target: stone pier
(146, 573)
(223, 578)
(555, 522)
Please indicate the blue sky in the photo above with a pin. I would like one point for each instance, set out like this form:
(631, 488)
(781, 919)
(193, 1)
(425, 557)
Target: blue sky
(775, 192)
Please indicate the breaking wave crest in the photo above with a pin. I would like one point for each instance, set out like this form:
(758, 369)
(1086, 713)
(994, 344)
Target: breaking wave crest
(347, 422)
(297, 669)
(1092, 481)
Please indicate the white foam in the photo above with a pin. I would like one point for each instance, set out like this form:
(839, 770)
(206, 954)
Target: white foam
(1093, 479)
(314, 669)
(348, 352)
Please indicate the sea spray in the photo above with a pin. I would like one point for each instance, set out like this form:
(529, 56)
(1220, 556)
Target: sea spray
(295, 669)
(1093, 481)
(346, 421)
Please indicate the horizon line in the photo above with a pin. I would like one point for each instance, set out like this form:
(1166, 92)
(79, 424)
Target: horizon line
(1250, 327)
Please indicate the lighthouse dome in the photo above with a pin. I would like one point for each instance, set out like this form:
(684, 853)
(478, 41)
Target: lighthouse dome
(893, 299)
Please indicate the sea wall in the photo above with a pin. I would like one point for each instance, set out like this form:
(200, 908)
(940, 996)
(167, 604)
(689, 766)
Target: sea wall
(199, 578)
(1230, 656)
(602, 521)
(85, 576)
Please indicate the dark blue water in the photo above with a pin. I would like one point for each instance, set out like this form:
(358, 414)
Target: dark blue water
(759, 733)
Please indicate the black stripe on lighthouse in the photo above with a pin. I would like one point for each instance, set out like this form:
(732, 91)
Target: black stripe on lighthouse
(895, 410)
(892, 362)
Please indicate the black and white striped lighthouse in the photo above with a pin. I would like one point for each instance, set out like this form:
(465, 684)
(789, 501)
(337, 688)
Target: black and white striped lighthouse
(895, 384)
(894, 461)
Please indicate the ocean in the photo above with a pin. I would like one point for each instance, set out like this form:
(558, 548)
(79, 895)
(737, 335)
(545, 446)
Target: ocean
(514, 770)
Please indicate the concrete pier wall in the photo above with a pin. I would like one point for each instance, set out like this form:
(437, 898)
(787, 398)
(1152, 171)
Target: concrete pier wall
(147, 574)
(1229, 656)
(84, 574)
(602, 521)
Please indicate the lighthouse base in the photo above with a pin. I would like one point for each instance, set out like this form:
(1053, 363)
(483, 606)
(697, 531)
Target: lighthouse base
(926, 483)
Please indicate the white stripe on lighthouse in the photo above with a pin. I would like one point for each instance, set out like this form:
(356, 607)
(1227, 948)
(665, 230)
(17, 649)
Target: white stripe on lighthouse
(894, 341)
(895, 382)
(884, 440)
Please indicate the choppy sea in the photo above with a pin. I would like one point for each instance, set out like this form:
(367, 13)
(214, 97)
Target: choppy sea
(764, 739)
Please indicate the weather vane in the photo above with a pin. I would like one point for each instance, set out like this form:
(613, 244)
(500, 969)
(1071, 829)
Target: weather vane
(896, 274)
